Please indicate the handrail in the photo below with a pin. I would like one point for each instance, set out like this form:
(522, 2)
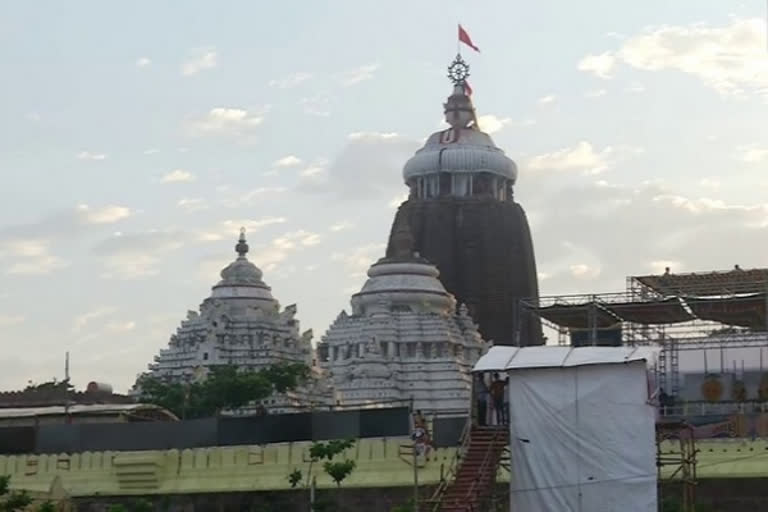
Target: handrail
(483, 467)
(464, 440)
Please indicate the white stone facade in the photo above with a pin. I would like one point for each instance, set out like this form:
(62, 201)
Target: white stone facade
(242, 324)
(405, 340)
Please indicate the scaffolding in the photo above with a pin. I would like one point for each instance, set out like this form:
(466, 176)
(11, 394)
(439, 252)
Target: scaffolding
(676, 461)
(674, 312)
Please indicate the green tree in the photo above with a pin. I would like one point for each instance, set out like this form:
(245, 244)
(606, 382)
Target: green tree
(226, 387)
(337, 470)
(12, 501)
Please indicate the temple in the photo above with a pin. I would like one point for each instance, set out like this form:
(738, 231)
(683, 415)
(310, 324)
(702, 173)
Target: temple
(242, 324)
(464, 219)
(405, 340)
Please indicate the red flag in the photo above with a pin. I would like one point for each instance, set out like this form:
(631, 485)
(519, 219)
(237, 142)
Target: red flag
(467, 88)
(464, 38)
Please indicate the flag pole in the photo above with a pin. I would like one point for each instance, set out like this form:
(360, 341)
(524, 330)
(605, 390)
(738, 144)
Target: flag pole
(458, 43)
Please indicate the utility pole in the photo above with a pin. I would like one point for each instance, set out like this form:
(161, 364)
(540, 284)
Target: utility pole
(66, 388)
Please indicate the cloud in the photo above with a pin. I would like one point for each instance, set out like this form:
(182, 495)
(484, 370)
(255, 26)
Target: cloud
(603, 232)
(11, 320)
(290, 81)
(341, 226)
(355, 76)
(287, 161)
(317, 105)
(192, 204)
(82, 320)
(752, 153)
(293, 239)
(202, 59)
(151, 151)
(491, 124)
(595, 93)
(226, 121)
(104, 215)
(601, 65)
(143, 62)
(251, 225)
(119, 327)
(369, 166)
(710, 183)
(87, 155)
(546, 100)
(137, 255)
(255, 194)
(178, 176)
(730, 58)
(581, 157)
(357, 259)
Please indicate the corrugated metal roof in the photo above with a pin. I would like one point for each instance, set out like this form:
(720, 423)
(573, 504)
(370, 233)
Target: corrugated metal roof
(502, 358)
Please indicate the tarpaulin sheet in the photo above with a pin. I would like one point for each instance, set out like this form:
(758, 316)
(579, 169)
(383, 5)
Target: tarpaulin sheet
(502, 358)
(582, 438)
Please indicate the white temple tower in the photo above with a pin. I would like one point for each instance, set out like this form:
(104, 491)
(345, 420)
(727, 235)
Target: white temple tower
(405, 339)
(241, 324)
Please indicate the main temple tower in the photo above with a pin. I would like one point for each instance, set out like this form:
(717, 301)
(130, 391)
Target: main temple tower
(463, 216)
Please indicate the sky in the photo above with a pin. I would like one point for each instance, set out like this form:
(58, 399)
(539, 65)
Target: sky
(137, 138)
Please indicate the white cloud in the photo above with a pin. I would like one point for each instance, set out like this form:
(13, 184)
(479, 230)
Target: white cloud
(584, 271)
(635, 88)
(491, 124)
(317, 105)
(729, 58)
(582, 157)
(178, 176)
(151, 151)
(119, 327)
(595, 93)
(398, 200)
(204, 58)
(357, 75)
(290, 81)
(226, 121)
(358, 259)
(138, 255)
(294, 239)
(601, 65)
(287, 161)
(10, 320)
(752, 153)
(143, 62)
(29, 256)
(372, 135)
(341, 226)
(190, 205)
(37, 266)
(250, 196)
(81, 321)
(710, 183)
(546, 100)
(251, 225)
(87, 155)
(105, 215)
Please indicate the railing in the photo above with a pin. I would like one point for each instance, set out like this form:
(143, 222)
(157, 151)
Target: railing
(713, 408)
(490, 452)
(464, 440)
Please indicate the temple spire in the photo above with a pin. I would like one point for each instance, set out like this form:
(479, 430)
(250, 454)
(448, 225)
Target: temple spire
(402, 239)
(242, 246)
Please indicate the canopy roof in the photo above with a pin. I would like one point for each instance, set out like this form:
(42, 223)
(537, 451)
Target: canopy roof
(503, 358)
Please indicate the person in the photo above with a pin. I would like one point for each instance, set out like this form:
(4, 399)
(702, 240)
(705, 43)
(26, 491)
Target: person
(481, 390)
(419, 421)
(497, 395)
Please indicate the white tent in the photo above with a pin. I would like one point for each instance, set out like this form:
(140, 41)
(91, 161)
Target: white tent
(582, 429)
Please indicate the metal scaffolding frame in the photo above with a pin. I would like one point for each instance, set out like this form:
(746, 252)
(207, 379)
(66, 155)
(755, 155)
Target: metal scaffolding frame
(680, 457)
(675, 312)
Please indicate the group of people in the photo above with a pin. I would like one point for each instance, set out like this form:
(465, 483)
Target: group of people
(491, 399)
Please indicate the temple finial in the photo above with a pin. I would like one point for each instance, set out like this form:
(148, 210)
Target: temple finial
(242, 246)
(459, 111)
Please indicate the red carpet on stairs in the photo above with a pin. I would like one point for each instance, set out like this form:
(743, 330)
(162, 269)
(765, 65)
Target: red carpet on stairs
(476, 473)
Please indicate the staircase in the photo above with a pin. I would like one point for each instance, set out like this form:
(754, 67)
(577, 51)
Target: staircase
(475, 475)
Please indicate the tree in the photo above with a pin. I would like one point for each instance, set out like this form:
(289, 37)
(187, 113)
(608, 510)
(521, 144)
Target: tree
(337, 470)
(226, 387)
(12, 501)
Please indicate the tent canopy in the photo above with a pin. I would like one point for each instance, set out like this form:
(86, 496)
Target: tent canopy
(504, 358)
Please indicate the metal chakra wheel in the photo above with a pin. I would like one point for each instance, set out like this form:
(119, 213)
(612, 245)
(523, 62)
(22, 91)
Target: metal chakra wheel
(458, 71)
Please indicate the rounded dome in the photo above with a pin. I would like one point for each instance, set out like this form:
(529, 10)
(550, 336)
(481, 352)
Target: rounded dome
(241, 278)
(460, 150)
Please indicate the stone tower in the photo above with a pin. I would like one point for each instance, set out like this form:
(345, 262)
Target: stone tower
(464, 219)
